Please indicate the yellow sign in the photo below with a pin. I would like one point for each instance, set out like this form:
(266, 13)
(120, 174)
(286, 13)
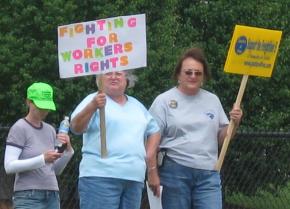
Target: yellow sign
(253, 51)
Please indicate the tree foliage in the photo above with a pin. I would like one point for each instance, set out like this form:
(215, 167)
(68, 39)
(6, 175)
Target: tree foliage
(28, 52)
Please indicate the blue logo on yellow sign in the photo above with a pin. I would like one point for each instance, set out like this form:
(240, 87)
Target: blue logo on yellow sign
(253, 51)
(241, 45)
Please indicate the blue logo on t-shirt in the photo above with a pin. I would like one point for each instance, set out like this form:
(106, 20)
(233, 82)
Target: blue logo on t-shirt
(210, 115)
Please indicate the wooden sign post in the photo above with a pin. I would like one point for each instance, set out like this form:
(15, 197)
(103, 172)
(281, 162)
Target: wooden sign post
(104, 151)
(252, 52)
(231, 126)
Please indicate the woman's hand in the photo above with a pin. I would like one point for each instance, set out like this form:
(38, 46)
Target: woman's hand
(51, 156)
(65, 139)
(236, 114)
(154, 181)
(99, 100)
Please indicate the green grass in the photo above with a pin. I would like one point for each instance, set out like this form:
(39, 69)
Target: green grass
(278, 198)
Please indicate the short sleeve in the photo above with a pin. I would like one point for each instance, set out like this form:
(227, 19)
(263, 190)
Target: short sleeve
(82, 105)
(223, 119)
(158, 112)
(152, 126)
(16, 136)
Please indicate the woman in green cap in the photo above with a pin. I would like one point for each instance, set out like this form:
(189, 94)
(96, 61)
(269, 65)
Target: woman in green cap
(31, 156)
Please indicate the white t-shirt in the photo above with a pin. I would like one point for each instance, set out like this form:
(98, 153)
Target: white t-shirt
(190, 126)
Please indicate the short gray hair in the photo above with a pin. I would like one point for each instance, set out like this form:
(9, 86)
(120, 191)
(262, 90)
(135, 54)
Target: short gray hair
(131, 78)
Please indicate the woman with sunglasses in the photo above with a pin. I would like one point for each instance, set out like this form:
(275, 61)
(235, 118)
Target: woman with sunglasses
(193, 125)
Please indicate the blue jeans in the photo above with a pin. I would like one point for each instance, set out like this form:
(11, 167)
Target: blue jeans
(189, 188)
(109, 193)
(36, 199)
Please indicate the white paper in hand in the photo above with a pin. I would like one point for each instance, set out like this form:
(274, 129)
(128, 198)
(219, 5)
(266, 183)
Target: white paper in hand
(154, 202)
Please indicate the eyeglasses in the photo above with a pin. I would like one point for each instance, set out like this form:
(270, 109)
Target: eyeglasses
(191, 72)
(116, 74)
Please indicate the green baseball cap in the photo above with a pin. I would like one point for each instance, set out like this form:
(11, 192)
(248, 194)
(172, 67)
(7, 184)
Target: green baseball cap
(42, 95)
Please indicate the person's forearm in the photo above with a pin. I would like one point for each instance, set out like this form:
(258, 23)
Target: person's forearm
(61, 163)
(151, 151)
(224, 131)
(222, 135)
(151, 160)
(80, 122)
(13, 165)
(235, 114)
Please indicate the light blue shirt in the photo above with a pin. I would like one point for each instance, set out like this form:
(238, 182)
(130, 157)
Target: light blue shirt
(127, 128)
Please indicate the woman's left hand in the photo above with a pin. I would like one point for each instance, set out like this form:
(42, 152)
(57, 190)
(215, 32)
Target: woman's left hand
(154, 181)
(236, 114)
(65, 139)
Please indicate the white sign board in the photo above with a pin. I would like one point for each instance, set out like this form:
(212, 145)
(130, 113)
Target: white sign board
(102, 46)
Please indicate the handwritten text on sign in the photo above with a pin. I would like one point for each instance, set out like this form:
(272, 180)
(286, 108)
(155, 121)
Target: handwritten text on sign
(102, 46)
(253, 51)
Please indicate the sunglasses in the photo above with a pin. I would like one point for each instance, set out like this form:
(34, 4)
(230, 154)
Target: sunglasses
(191, 72)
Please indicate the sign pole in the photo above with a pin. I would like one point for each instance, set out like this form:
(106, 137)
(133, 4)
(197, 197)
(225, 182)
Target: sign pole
(231, 126)
(104, 151)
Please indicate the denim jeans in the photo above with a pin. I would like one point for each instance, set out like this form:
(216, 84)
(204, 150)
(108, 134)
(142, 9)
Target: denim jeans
(109, 193)
(189, 188)
(36, 199)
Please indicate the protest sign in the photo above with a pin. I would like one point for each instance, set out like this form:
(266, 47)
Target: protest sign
(101, 46)
(252, 52)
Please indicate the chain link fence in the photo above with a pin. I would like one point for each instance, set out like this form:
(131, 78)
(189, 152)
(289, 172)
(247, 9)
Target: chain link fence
(255, 174)
(256, 171)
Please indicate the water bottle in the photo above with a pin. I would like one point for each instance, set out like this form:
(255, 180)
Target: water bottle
(63, 128)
